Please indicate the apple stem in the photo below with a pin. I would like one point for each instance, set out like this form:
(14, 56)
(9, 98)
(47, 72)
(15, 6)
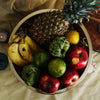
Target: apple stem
(48, 84)
(73, 80)
(80, 55)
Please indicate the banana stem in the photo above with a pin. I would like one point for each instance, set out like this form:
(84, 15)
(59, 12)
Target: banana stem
(95, 19)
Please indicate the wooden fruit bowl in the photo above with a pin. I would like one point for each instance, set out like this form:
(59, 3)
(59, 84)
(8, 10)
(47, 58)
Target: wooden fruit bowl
(85, 39)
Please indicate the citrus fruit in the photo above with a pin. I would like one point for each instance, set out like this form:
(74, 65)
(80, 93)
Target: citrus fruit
(56, 67)
(73, 36)
(41, 59)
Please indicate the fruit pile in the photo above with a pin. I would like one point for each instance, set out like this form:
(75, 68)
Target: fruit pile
(48, 51)
(52, 68)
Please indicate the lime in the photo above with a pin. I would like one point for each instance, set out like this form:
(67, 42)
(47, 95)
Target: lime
(41, 59)
(56, 67)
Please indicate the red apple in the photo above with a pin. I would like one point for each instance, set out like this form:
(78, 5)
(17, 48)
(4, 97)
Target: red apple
(77, 57)
(70, 77)
(49, 84)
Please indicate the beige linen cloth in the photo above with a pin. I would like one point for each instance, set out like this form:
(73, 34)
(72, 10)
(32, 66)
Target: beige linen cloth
(11, 11)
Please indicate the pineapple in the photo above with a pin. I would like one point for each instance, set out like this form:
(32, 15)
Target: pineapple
(47, 25)
(56, 23)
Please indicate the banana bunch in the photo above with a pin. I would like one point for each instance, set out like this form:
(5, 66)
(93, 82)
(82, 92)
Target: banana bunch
(21, 49)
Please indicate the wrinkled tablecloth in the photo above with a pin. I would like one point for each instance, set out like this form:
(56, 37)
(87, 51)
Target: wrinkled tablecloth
(11, 11)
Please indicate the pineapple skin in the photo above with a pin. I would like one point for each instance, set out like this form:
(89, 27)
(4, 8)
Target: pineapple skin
(47, 26)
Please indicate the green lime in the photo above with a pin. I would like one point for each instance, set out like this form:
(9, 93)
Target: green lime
(56, 67)
(41, 59)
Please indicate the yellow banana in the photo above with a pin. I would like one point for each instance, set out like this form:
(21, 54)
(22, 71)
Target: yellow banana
(15, 56)
(25, 51)
(22, 49)
(14, 38)
(35, 48)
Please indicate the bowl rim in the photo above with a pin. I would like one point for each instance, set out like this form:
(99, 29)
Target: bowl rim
(86, 69)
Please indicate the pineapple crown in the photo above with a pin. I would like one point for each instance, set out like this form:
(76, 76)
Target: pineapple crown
(75, 10)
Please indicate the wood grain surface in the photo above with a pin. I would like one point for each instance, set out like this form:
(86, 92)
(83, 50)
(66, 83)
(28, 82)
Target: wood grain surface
(92, 28)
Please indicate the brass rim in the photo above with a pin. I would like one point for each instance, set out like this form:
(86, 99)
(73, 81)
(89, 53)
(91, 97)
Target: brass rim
(85, 71)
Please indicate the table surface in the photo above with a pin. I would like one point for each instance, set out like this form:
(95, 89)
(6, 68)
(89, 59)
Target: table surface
(11, 11)
(93, 30)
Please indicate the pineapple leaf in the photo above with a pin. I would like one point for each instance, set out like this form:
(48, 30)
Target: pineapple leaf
(75, 10)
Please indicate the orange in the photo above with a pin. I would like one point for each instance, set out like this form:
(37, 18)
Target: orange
(73, 36)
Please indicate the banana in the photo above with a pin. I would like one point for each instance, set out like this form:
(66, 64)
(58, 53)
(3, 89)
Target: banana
(35, 48)
(25, 51)
(15, 56)
(21, 49)
(14, 38)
